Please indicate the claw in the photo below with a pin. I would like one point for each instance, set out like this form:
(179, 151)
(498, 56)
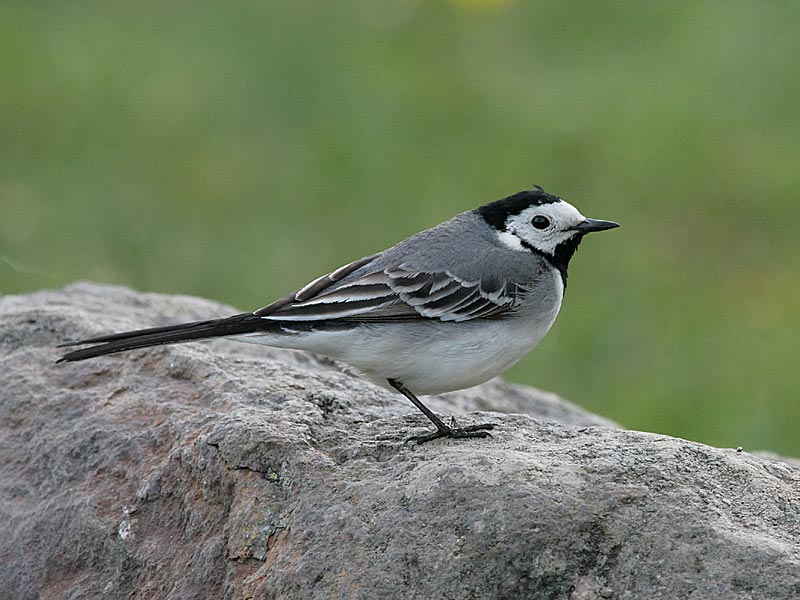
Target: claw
(471, 431)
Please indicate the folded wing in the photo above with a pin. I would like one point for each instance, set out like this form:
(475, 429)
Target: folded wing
(394, 294)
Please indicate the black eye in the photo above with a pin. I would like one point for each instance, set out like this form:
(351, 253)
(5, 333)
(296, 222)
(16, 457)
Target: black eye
(540, 222)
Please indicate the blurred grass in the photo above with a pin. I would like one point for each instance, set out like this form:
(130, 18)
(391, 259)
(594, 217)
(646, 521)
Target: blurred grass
(236, 150)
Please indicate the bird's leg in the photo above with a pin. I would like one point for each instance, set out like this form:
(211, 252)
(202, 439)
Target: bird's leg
(442, 430)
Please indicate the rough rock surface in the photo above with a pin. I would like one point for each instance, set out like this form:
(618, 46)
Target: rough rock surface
(224, 470)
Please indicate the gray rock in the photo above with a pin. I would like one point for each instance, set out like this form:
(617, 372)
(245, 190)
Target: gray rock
(224, 470)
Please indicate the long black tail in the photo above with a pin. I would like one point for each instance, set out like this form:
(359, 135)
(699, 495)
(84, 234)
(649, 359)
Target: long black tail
(156, 336)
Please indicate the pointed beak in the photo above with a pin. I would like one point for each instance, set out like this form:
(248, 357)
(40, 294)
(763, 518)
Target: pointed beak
(590, 225)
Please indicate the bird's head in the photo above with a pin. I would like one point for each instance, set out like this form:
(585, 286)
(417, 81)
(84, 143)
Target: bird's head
(535, 221)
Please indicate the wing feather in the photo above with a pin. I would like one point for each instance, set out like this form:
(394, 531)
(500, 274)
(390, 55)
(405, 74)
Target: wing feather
(395, 293)
(316, 287)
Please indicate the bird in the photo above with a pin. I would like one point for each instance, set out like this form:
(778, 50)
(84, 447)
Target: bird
(445, 309)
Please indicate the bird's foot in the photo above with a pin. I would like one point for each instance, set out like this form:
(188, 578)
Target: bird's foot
(471, 431)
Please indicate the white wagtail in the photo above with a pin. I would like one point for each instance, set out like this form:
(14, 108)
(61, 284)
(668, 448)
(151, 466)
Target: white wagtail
(445, 309)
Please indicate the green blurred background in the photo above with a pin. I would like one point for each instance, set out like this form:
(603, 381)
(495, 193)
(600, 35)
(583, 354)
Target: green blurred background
(236, 150)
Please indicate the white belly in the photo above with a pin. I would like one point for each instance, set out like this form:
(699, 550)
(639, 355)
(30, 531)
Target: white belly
(449, 360)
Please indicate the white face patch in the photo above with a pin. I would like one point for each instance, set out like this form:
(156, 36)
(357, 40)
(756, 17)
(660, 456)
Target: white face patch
(553, 220)
(510, 240)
